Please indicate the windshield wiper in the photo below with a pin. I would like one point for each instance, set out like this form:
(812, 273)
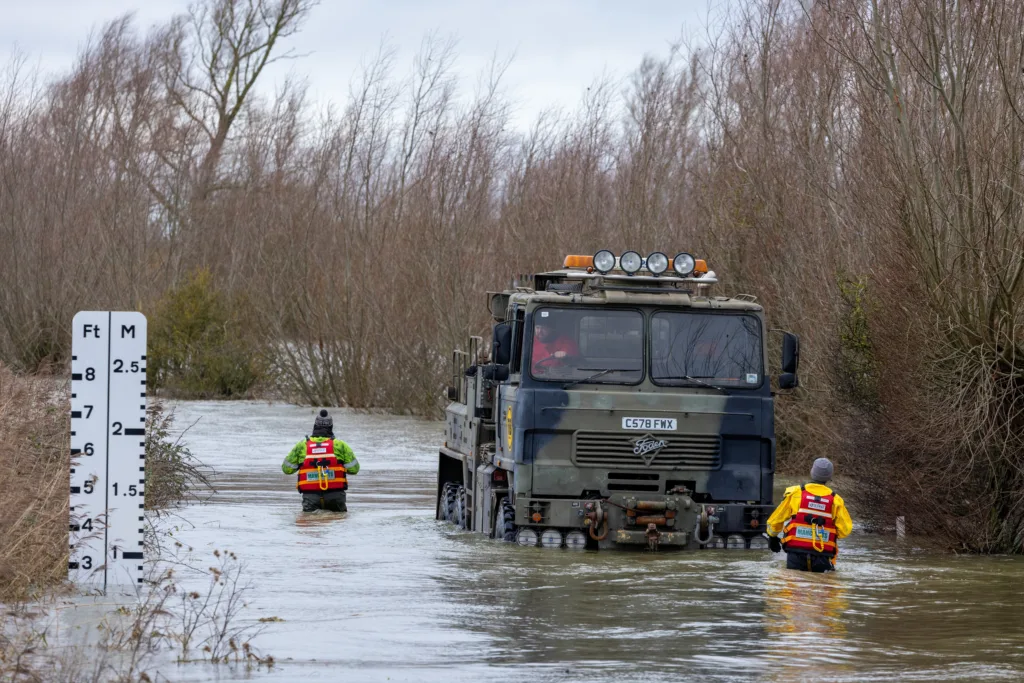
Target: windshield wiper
(569, 385)
(696, 380)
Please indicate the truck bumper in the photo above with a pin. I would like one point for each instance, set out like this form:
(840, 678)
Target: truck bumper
(647, 521)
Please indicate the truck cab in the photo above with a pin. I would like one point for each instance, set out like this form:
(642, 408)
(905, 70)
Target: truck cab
(618, 403)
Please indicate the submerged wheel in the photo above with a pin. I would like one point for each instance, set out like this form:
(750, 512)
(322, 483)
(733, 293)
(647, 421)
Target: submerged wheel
(506, 524)
(442, 503)
(461, 509)
(449, 503)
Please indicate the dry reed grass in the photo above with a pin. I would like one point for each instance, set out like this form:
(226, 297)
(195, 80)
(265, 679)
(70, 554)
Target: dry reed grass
(34, 462)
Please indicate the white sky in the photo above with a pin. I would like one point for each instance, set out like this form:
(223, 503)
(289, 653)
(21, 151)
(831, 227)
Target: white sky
(559, 46)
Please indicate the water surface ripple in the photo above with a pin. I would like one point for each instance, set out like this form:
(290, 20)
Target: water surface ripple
(386, 593)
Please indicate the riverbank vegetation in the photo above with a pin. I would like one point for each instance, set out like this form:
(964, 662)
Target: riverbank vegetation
(34, 645)
(34, 464)
(855, 164)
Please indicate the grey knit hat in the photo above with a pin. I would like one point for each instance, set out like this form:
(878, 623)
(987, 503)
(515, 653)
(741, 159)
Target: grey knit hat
(821, 470)
(323, 421)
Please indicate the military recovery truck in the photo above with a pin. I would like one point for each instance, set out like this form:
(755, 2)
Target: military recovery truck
(618, 403)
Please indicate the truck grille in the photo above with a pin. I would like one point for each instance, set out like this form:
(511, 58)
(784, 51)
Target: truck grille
(613, 449)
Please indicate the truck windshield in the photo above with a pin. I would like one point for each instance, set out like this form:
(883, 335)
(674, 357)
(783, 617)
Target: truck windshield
(587, 345)
(706, 348)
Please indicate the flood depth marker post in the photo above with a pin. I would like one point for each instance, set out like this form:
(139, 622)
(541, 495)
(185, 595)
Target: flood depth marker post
(108, 449)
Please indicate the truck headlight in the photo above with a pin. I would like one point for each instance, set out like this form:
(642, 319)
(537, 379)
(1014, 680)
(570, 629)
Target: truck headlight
(631, 262)
(735, 541)
(604, 261)
(575, 540)
(551, 538)
(683, 264)
(657, 263)
(758, 543)
(526, 537)
(716, 542)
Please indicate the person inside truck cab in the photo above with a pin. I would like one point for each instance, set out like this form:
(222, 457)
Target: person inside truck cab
(551, 343)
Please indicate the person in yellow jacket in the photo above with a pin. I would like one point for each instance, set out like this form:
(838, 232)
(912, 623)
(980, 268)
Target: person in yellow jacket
(809, 522)
(323, 464)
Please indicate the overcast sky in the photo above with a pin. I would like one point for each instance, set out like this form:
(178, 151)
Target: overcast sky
(559, 46)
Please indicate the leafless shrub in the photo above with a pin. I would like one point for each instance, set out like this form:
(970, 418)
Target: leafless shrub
(34, 459)
(803, 147)
(209, 623)
(164, 619)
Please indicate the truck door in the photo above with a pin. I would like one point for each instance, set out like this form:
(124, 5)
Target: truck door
(507, 437)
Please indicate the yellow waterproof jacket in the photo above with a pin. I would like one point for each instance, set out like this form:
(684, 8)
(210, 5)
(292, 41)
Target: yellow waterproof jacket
(790, 505)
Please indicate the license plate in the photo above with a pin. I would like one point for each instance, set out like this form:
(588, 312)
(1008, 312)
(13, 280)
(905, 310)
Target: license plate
(649, 424)
(314, 476)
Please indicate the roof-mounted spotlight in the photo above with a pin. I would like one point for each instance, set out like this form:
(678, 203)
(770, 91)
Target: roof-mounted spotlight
(657, 263)
(683, 264)
(604, 261)
(631, 262)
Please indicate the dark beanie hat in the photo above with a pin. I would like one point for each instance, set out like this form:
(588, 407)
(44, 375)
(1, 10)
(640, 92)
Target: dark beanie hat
(323, 422)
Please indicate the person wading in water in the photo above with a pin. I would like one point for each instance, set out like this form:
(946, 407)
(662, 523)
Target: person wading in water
(809, 522)
(323, 464)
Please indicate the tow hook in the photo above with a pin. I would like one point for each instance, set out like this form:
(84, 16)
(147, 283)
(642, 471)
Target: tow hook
(653, 536)
(594, 518)
(705, 526)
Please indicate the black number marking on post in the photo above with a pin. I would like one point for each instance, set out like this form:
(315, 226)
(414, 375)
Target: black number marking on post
(86, 562)
(88, 487)
(117, 429)
(89, 449)
(90, 374)
(88, 411)
(119, 366)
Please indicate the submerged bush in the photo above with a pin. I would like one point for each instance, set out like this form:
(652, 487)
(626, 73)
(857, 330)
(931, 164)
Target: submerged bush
(196, 344)
(173, 474)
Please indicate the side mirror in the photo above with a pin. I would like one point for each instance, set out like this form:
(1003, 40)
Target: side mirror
(790, 352)
(502, 352)
(790, 361)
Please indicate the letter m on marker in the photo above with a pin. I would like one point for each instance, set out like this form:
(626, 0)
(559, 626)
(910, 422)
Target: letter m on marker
(127, 329)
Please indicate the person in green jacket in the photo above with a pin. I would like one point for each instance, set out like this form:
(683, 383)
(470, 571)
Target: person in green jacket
(321, 488)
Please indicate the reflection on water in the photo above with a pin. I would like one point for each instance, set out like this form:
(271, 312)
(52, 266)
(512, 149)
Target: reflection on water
(384, 592)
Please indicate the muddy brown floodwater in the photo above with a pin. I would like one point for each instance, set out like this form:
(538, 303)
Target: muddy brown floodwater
(385, 593)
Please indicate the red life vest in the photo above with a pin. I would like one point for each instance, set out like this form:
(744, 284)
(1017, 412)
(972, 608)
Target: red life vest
(812, 529)
(321, 470)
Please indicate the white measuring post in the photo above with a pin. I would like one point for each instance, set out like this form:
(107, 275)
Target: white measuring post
(108, 449)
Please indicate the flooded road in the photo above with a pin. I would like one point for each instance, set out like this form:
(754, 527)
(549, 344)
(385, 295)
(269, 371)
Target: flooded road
(385, 593)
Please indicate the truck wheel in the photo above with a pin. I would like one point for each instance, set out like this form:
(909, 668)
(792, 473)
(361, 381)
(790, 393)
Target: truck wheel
(442, 503)
(506, 530)
(462, 518)
(451, 503)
